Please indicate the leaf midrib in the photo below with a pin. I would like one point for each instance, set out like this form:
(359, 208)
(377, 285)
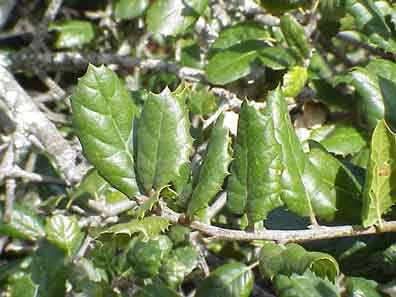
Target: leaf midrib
(110, 113)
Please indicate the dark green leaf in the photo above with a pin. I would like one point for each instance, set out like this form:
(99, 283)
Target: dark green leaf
(380, 189)
(213, 169)
(229, 280)
(303, 189)
(181, 262)
(156, 290)
(24, 224)
(339, 138)
(358, 286)
(368, 17)
(281, 6)
(148, 226)
(236, 61)
(307, 285)
(388, 89)
(49, 272)
(73, 33)
(147, 205)
(295, 36)
(376, 101)
(239, 33)
(345, 187)
(163, 140)
(254, 184)
(64, 232)
(174, 17)
(85, 271)
(129, 9)
(294, 259)
(146, 256)
(332, 9)
(24, 287)
(276, 58)
(103, 113)
(190, 54)
(203, 102)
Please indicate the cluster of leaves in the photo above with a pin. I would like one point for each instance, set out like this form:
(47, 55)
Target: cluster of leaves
(285, 159)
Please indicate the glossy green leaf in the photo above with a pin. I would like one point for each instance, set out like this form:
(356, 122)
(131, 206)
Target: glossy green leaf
(24, 287)
(156, 290)
(239, 33)
(368, 17)
(49, 271)
(276, 58)
(146, 256)
(203, 102)
(294, 259)
(147, 205)
(173, 17)
(64, 232)
(254, 185)
(332, 10)
(148, 226)
(380, 189)
(345, 186)
(84, 271)
(307, 285)
(190, 54)
(303, 188)
(358, 286)
(163, 140)
(235, 62)
(73, 33)
(376, 100)
(229, 280)
(340, 138)
(213, 169)
(180, 263)
(388, 90)
(24, 224)
(129, 9)
(103, 114)
(88, 280)
(281, 6)
(295, 36)
(294, 81)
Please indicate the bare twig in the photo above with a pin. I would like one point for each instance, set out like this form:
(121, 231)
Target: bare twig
(17, 172)
(31, 121)
(218, 205)
(281, 236)
(75, 61)
(10, 198)
(110, 210)
(374, 50)
(83, 249)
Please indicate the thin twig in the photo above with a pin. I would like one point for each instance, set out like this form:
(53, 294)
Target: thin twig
(83, 249)
(18, 172)
(75, 61)
(218, 205)
(110, 210)
(31, 121)
(10, 198)
(353, 41)
(281, 236)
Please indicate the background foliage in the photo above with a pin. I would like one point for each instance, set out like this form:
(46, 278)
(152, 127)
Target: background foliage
(197, 148)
